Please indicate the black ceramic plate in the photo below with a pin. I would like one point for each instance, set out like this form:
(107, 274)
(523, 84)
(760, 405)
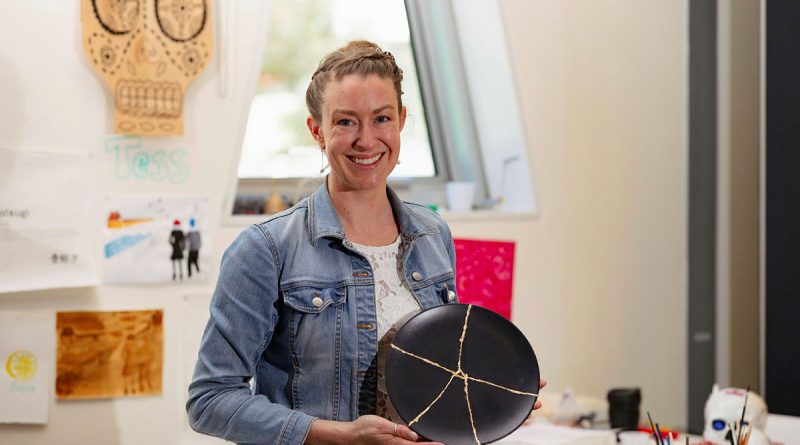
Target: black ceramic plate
(497, 364)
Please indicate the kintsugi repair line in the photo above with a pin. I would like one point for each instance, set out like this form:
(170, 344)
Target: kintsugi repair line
(460, 374)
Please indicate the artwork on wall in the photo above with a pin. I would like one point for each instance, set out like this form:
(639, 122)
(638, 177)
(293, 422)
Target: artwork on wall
(150, 239)
(485, 274)
(109, 354)
(147, 53)
(26, 357)
(45, 220)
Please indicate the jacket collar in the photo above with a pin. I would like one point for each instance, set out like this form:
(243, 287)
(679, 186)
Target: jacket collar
(324, 222)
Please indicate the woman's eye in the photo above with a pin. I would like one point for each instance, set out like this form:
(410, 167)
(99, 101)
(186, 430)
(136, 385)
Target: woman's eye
(382, 119)
(344, 122)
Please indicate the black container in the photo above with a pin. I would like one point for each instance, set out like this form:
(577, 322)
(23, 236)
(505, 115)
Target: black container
(623, 408)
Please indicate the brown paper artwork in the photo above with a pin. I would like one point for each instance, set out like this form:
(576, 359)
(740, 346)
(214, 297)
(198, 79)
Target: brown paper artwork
(109, 354)
(147, 52)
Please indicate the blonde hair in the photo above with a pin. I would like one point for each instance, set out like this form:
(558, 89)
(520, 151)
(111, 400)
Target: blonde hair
(358, 57)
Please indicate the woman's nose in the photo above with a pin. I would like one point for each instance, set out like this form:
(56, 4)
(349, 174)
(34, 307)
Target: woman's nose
(367, 138)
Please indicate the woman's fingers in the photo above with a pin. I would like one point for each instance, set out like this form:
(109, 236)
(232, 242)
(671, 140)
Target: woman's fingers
(405, 432)
(542, 383)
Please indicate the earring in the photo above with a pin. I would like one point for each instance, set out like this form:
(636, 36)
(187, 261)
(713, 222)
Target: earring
(322, 165)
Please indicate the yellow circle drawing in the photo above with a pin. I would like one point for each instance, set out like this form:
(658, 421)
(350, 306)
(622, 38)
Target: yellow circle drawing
(21, 365)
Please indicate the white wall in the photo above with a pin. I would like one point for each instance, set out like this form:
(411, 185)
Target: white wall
(601, 273)
(603, 87)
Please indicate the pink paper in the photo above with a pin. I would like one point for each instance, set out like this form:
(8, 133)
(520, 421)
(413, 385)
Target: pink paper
(485, 274)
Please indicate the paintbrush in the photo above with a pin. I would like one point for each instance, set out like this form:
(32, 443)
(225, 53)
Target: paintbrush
(660, 437)
(741, 422)
(746, 437)
(730, 434)
(653, 428)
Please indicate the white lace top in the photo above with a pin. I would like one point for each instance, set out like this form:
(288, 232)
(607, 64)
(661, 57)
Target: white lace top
(394, 304)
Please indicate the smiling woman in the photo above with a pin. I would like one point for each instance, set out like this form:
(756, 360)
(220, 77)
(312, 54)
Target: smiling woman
(307, 302)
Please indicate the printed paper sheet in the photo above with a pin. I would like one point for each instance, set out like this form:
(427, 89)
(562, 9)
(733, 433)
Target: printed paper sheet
(45, 221)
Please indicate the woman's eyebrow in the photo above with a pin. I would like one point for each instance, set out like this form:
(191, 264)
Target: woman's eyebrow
(378, 110)
(342, 111)
(352, 112)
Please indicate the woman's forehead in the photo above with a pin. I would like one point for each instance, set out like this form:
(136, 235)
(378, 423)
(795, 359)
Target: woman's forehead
(360, 93)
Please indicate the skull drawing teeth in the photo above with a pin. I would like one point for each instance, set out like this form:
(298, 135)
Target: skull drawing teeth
(149, 99)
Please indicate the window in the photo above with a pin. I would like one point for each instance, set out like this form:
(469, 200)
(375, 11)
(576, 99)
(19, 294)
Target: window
(277, 143)
(445, 73)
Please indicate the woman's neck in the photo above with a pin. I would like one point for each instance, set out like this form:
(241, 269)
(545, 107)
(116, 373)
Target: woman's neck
(366, 216)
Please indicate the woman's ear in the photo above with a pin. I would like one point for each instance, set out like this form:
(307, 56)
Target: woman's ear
(402, 118)
(316, 131)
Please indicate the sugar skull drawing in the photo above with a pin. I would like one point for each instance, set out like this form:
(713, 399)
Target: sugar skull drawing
(724, 409)
(147, 52)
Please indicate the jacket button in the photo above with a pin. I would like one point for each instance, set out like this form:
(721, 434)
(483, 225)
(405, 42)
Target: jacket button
(317, 302)
(416, 276)
(451, 296)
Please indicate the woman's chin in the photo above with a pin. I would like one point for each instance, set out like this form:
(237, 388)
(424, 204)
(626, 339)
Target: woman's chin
(357, 184)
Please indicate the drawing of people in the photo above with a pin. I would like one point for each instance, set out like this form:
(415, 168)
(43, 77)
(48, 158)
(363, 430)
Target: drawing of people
(178, 243)
(193, 237)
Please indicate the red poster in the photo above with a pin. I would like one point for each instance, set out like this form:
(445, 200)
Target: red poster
(485, 274)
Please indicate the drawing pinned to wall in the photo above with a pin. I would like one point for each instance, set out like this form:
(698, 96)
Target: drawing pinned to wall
(109, 354)
(155, 239)
(133, 161)
(147, 52)
(485, 274)
(26, 357)
(45, 220)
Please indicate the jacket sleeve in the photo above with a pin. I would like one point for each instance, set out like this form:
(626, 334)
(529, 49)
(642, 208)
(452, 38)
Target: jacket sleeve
(241, 324)
(451, 249)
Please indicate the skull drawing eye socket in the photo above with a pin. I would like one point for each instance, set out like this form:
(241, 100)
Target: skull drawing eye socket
(116, 16)
(191, 59)
(108, 56)
(181, 20)
(718, 424)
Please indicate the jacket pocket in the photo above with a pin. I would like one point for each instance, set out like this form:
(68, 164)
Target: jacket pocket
(315, 322)
(437, 293)
(314, 299)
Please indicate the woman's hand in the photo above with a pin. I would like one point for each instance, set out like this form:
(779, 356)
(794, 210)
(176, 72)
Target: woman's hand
(377, 430)
(366, 430)
(537, 405)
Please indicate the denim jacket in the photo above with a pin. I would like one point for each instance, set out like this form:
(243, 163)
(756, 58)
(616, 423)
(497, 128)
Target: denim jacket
(294, 309)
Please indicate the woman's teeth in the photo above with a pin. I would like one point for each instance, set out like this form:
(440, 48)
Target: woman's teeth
(367, 161)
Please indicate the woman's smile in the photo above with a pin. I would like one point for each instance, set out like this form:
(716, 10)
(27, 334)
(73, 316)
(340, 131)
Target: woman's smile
(367, 161)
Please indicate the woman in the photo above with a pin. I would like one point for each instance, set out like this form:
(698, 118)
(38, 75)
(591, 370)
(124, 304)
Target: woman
(304, 299)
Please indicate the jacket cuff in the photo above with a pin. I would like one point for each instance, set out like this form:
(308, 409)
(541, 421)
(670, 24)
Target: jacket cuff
(295, 429)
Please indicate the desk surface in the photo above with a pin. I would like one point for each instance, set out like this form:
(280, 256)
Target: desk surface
(548, 434)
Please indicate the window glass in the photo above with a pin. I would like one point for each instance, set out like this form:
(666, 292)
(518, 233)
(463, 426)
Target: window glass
(277, 143)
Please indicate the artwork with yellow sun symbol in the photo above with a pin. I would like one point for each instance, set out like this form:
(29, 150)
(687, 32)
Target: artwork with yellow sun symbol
(27, 345)
(21, 365)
